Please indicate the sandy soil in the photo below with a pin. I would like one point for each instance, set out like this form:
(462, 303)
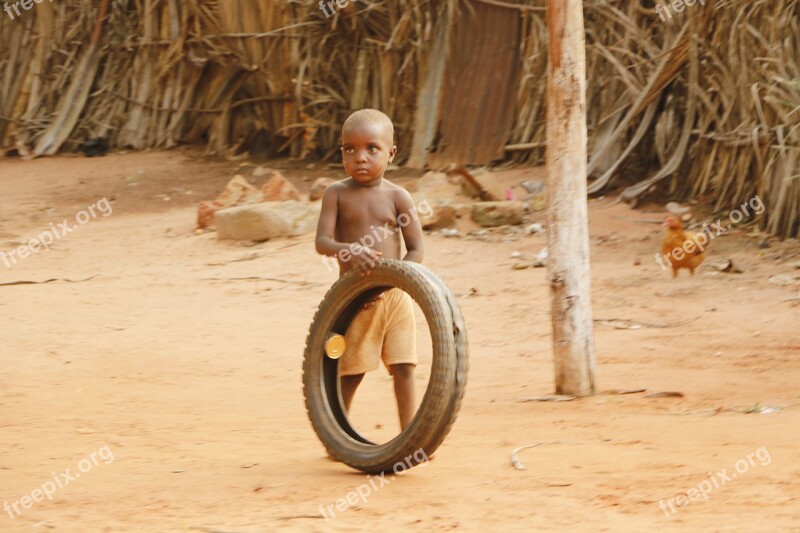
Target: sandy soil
(180, 356)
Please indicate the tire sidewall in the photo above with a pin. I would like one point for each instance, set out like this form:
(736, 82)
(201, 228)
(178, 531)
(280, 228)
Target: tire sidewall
(435, 411)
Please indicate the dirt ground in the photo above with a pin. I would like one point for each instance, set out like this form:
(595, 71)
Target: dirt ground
(176, 360)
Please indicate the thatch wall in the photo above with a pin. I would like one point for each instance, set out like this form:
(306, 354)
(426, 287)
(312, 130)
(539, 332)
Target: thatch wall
(705, 104)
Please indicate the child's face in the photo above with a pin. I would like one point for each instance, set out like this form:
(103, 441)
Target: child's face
(366, 151)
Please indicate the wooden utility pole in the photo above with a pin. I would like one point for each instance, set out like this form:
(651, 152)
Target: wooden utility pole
(567, 210)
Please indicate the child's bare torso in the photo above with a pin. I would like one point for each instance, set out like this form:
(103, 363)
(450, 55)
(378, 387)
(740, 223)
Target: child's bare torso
(368, 215)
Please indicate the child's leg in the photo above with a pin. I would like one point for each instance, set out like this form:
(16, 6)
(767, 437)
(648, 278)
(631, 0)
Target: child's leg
(403, 375)
(349, 384)
(363, 341)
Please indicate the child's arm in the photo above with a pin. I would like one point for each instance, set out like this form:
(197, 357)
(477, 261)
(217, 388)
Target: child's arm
(412, 232)
(325, 243)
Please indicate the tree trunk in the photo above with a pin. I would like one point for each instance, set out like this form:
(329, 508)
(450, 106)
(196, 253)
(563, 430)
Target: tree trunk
(567, 211)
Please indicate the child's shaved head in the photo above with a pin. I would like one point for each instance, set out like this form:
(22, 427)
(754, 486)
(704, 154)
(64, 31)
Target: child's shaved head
(363, 117)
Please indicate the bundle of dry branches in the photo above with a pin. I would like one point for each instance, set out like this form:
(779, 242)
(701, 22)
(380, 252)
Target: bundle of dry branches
(705, 104)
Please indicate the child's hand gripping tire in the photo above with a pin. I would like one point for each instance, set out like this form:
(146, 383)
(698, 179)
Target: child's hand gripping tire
(448, 379)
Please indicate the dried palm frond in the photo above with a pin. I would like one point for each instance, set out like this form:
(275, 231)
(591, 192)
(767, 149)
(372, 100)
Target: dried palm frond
(705, 104)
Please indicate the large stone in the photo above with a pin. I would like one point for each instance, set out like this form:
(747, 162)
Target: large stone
(268, 220)
(490, 214)
(435, 214)
(278, 189)
(318, 188)
(239, 192)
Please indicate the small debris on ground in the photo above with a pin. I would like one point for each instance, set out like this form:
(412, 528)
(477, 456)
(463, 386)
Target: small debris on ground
(549, 398)
(727, 266)
(668, 394)
(534, 228)
(782, 279)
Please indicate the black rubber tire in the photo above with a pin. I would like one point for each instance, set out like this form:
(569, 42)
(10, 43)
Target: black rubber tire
(439, 407)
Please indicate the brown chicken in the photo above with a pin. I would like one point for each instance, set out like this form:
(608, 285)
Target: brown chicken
(681, 249)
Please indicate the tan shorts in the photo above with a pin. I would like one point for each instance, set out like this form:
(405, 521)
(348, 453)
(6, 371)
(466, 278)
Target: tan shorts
(383, 329)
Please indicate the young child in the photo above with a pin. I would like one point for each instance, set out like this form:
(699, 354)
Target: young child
(351, 211)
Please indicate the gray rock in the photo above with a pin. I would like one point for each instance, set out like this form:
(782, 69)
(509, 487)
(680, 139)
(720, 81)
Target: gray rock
(533, 187)
(267, 220)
